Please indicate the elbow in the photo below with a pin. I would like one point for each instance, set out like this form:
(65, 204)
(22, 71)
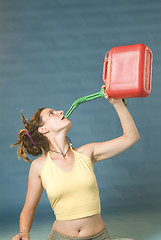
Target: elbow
(137, 136)
(132, 140)
(135, 139)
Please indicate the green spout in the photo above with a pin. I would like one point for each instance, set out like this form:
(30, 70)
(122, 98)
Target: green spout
(85, 99)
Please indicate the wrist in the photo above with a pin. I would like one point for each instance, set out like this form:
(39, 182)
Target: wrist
(25, 230)
(118, 102)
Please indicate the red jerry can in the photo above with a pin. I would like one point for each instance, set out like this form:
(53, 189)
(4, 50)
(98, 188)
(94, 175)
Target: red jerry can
(127, 71)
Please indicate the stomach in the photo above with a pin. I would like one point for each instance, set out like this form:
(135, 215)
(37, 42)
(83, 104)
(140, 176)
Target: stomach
(80, 228)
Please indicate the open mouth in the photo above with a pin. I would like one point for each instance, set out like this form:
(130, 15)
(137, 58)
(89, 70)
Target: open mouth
(63, 117)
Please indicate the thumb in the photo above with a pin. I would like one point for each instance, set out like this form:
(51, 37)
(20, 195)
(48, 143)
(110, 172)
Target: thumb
(103, 86)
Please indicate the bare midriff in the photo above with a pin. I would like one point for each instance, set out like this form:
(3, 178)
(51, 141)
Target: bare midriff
(80, 228)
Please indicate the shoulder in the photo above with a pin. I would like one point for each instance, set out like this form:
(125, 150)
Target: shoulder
(85, 149)
(38, 164)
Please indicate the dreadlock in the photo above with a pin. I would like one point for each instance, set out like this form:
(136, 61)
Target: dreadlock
(24, 142)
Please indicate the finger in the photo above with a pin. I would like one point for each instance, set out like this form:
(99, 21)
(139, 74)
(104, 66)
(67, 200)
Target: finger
(106, 96)
(24, 238)
(103, 86)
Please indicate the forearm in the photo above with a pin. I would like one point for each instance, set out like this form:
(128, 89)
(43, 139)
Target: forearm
(127, 122)
(26, 219)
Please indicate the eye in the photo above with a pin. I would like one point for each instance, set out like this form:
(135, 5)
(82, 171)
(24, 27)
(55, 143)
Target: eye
(51, 113)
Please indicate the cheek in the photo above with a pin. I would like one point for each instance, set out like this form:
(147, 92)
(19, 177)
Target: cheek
(55, 125)
(52, 124)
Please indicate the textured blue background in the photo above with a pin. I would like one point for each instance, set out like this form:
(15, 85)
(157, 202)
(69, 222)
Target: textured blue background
(51, 53)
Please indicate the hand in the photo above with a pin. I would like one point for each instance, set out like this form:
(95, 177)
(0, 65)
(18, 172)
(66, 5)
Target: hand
(22, 236)
(111, 100)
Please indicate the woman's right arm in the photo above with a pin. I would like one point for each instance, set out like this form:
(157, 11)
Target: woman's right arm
(33, 196)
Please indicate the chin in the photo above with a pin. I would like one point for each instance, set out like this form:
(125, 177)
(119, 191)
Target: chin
(69, 126)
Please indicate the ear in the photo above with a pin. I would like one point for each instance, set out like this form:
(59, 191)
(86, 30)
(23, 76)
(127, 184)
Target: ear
(43, 130)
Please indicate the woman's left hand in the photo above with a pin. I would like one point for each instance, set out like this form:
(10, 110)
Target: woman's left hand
(111, 100)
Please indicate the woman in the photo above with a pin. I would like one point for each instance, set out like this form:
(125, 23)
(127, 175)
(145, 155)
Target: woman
(67, 174)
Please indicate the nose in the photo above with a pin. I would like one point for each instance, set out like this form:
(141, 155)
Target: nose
(61, 112)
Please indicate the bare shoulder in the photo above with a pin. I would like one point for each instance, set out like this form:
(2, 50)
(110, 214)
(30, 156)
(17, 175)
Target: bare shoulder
(38, 164)
(85, 149)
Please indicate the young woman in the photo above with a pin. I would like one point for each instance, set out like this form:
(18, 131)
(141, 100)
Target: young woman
(66, 173)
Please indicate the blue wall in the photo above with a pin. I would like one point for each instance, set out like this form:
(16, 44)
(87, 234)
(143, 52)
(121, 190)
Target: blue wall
(51, 53)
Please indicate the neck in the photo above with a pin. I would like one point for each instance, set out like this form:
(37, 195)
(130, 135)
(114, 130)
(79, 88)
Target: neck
(59, 144)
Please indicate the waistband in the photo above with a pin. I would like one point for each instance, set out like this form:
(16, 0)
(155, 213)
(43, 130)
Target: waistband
(103, 235)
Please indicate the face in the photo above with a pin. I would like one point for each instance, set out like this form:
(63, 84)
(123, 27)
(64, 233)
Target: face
(54, 121)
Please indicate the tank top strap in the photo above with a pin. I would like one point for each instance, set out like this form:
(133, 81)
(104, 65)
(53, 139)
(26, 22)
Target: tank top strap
(48, 156)
(70, 145)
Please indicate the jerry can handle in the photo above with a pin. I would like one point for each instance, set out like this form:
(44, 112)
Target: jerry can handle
(105, 67)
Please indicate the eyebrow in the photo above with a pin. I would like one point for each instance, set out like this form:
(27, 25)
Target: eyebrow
(51, 110)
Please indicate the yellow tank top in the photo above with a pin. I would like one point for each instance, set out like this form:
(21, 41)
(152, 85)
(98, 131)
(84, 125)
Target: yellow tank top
(73, 194)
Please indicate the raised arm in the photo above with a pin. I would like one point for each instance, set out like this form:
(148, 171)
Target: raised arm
(104, 150)
(33, 196)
